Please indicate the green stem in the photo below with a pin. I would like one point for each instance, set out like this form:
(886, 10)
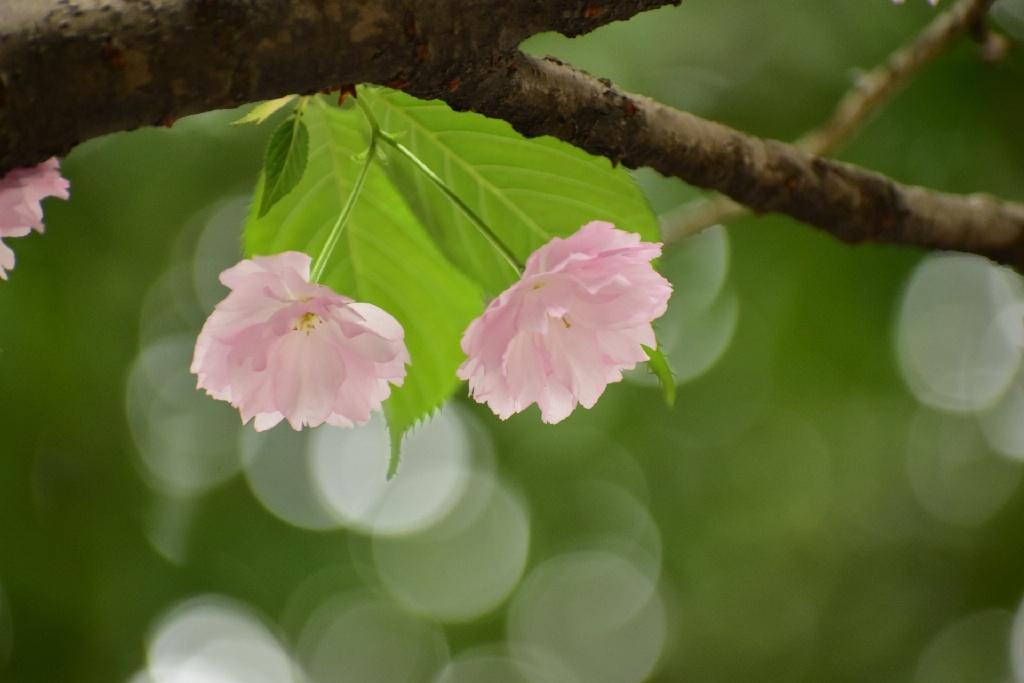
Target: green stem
(477, 222)
(346, 211)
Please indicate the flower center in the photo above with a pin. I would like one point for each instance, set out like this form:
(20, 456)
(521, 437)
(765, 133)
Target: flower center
(307, 323)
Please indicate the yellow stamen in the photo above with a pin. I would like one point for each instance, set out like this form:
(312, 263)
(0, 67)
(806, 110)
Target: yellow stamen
(307, 323)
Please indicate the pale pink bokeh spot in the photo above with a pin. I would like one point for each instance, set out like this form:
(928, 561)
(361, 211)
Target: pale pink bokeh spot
(21, 192)
(579, 316)
(279, 347)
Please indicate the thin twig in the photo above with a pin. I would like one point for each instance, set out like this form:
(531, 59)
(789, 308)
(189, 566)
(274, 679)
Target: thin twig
(871, 90)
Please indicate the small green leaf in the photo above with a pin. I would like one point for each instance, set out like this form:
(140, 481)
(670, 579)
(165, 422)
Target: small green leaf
(263, 111)
(395, 434)
(658, 364)
(287, 155)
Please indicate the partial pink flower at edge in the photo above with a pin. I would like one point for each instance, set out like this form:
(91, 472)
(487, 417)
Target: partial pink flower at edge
(579, 316)
(279, 347)
(21, 192)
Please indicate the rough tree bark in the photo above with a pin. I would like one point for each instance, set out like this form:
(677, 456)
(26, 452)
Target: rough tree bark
(74, 70)
(70, 71)
(542, 96)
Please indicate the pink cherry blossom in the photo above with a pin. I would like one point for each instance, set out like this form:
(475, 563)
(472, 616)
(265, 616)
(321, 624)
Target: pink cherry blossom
(280, 347)
(577, 318)
(21, 192)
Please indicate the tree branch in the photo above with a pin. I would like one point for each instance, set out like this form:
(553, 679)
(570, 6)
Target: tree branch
(871, 91)
(875, 87)
(544, 96)
(70, 72)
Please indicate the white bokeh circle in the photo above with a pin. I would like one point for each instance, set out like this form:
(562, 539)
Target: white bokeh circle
(596, 613)
(467, 564)
(212, 639)
(956, 350)
(349, 468)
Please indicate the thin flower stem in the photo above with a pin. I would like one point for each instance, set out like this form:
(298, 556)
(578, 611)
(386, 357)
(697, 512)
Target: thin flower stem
(471, 215)
(477, 222)
(339, 225)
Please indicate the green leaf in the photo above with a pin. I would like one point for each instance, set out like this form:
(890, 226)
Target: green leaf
(263, 111)
(658, 364)
(526, 190)
(385, 257)
(287, 156)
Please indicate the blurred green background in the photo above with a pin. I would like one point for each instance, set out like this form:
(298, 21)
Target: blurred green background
(836, 496)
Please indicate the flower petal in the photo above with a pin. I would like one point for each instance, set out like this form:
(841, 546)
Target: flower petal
(279, 347)
(578, 318)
